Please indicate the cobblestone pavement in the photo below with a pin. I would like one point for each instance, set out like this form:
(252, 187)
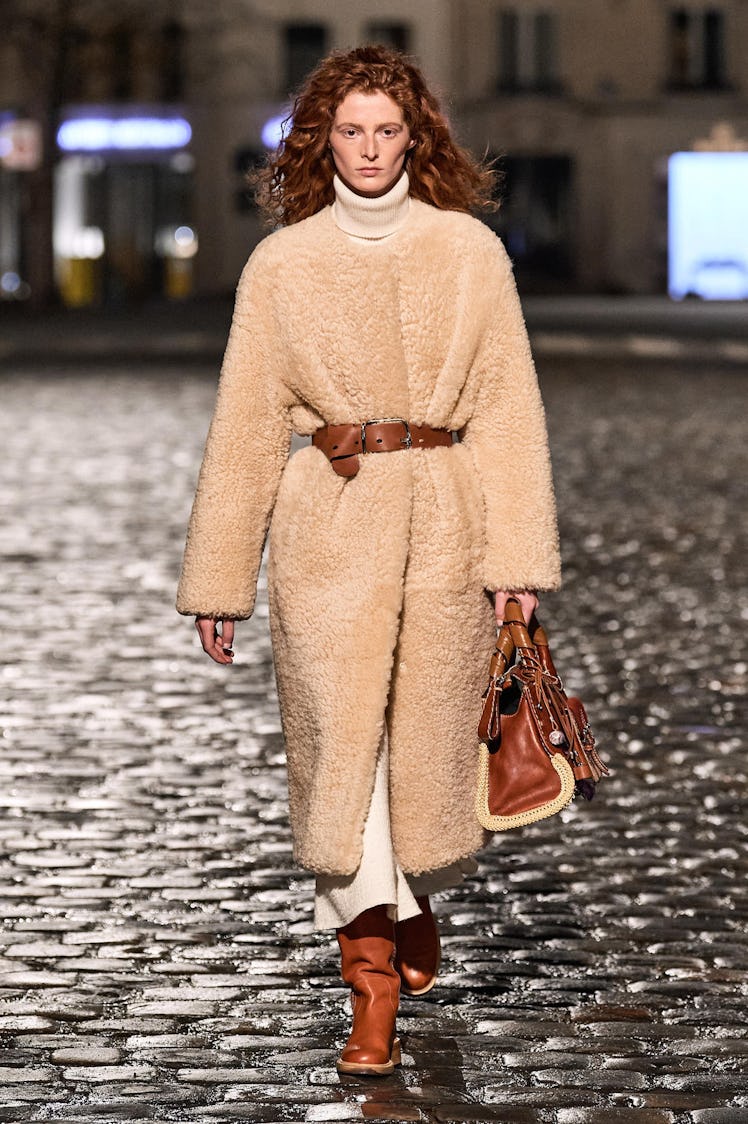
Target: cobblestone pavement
(158, 958)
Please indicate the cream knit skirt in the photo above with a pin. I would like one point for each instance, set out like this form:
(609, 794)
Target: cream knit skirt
(379, 879)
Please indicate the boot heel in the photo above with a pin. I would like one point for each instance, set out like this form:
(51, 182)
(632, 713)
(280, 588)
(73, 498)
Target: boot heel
(396, 1056)
(417, 951)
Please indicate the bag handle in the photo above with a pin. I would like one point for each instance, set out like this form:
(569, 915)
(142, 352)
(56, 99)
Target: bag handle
(512, 636)
(489, 726)
(531, 640)
(535, 653)
(522, 632)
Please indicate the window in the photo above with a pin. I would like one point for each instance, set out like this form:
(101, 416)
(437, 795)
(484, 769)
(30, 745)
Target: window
(172, 61)
(75, 44)
(536, 220)
(121, 43)
(528, 50)
(305, 45)
(697, 56)
(395, 35)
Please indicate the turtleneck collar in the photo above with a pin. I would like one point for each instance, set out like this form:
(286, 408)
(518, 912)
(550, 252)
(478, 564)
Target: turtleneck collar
(367, 218)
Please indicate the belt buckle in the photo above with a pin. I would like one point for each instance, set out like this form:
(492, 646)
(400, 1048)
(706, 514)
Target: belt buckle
(406, 441)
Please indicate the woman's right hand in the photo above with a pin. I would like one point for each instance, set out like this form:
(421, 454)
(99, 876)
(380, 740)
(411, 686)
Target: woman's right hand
(218, 645)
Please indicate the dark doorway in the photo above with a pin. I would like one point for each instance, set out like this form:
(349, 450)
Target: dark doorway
(122, 229)
(535, 220)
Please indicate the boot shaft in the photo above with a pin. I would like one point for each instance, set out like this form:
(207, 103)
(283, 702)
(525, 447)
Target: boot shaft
(367, 948)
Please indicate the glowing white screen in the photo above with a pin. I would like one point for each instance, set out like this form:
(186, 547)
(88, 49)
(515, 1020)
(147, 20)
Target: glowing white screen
(708, 225)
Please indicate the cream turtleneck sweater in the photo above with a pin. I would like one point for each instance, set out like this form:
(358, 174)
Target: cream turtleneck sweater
(367, 219)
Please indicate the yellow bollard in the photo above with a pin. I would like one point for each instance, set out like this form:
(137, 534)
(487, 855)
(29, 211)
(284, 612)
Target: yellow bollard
(178, 278)
(79, 282)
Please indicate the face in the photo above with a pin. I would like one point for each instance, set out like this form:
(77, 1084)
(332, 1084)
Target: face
(369, 140)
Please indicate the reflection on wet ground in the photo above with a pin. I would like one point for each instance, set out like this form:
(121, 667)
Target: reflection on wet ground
(158, 956)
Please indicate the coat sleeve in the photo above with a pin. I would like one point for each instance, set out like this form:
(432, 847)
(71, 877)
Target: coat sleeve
(245, 453)
(507, 437)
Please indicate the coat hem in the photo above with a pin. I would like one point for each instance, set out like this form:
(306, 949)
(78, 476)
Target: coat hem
(465, 853)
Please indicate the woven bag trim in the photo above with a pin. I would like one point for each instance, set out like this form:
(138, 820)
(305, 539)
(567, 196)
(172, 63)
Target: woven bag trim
(504, 823)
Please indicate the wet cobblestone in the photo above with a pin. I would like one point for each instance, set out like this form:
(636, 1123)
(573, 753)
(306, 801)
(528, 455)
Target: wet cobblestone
(157, 958)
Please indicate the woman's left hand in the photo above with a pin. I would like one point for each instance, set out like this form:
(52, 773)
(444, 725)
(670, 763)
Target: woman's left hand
(526, 597)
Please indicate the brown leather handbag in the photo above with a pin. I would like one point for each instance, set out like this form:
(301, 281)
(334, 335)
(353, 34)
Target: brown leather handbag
(537, 750)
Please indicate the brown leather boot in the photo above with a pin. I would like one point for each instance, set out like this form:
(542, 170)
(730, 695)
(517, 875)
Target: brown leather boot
(417, 950)
(367, 946)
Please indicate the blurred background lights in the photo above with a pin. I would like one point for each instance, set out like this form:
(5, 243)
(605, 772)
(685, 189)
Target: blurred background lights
(186, 242)
(88, 242)
(176, 242)
(182, 162)
(708, 225)
(272, 131)
(99, 134)
(13, 287)
(10, 283)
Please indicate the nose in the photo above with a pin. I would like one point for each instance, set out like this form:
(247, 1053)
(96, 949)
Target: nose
(369, 146)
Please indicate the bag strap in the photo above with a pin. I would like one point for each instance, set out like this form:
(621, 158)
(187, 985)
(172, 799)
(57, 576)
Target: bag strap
(535, 654)
(542, 647)
(503, 654)
(513, 636)
(514, 622)
(489, 726)
(530, 639)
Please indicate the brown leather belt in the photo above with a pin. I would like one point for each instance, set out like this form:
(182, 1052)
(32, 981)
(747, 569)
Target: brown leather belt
(342, 443)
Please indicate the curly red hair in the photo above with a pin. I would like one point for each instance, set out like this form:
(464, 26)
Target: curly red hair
(297, 181)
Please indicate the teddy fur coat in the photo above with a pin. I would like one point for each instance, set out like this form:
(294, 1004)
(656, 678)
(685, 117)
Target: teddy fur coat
(377, 583)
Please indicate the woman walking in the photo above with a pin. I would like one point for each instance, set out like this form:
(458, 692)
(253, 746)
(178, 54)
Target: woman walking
(380, 319)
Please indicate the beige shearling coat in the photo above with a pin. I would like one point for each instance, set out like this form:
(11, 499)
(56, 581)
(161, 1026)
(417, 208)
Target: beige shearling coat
(376, 583)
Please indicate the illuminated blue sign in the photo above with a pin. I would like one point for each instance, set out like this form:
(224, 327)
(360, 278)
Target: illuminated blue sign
(708, 225)
(101, 134)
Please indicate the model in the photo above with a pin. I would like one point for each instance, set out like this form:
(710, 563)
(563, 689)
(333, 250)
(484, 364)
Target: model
(381, 320)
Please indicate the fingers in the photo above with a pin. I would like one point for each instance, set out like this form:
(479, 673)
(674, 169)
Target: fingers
(217, 644)
(227, 636)
(529, 603)
(500, 600)
(527, 598)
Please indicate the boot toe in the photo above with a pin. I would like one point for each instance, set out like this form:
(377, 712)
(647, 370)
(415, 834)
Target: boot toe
(369, 1059)
(365, 1055)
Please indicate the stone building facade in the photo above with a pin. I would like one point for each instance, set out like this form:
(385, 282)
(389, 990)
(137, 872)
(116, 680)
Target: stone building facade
(586, 102)
(583, 102)
(280, 42)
